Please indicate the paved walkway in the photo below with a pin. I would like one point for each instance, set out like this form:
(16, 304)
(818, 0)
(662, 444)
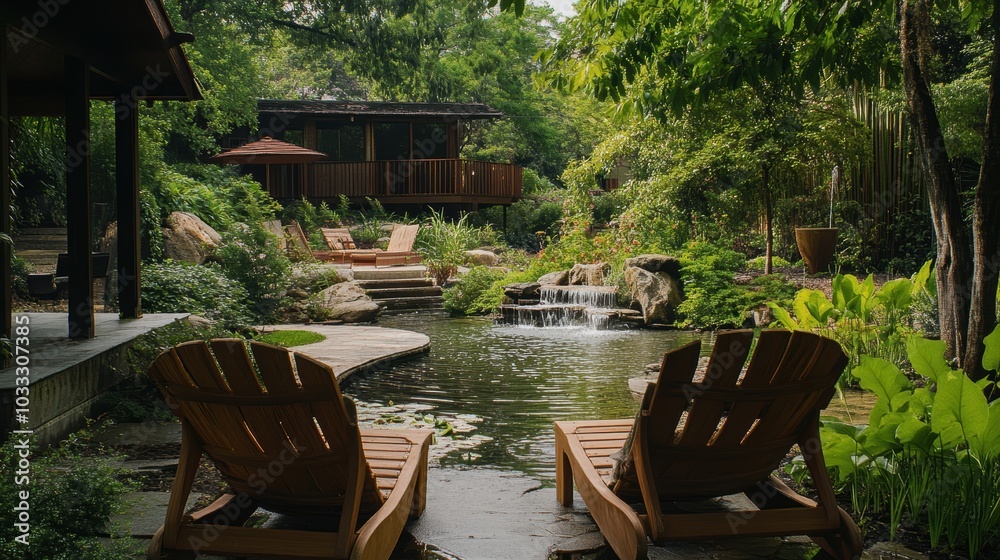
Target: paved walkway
(349, 349)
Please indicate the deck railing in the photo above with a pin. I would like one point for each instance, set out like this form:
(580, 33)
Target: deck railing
(406, 179)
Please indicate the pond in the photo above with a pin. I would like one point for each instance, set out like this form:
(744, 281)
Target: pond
(517, 380)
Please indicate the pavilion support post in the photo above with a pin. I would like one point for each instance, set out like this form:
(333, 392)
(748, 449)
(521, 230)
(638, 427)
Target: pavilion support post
(81, 293)
(127, 186)
(6, 301)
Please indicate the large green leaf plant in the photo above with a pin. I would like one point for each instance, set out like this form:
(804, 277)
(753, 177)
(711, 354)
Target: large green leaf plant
(863, 318)
(930, 448)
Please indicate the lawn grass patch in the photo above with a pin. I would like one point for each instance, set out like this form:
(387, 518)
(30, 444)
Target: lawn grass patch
(289, 338)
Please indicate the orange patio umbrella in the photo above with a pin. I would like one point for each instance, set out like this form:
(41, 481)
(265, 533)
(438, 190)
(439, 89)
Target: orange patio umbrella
(266, 151)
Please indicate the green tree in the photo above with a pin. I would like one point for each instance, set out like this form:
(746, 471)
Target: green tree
(657, 58)
(668, 60)
(967, 262)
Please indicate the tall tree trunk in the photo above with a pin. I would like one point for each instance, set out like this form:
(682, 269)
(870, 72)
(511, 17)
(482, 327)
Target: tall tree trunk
(768, 218)
(986, 224)
(954, 255)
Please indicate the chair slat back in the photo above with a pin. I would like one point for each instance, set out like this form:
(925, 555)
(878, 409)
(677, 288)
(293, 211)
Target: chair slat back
(402, 238)
(274, 422)
(724, 433)
(338, 239)
(297, 237)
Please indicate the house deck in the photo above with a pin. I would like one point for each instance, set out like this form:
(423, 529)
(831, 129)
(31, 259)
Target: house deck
(68, 377)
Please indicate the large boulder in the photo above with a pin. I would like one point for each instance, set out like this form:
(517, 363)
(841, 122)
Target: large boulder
(348, 302)
(558, 278)
(188, 238)
(482, 257)
(656, 263)
(656, 292)
(521, 290)
(587, 274)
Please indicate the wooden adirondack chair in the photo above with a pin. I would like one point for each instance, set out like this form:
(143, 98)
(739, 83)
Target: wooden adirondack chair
(285, 439)
(299, 245)
(341, 244)
(399, 251)
(724, 434)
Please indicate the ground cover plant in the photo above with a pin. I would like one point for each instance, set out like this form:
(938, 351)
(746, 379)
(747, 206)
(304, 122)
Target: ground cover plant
(72, 498)
(174, 287)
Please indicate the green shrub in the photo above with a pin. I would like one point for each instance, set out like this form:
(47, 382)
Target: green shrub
(758, 263)
(19, 271)
(252, 256)
(368, 232)
(466, 297)
(71, 498)
(525, 218)
(313, 279)
(772, 288)
(217, 195)
(178, 287)
(711, 297)
(309, 216)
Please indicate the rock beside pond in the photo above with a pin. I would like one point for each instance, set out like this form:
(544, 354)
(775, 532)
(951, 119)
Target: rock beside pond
(656, 263)
(558, 278)
(482, 257)
(348, 302)
(521, 290)
(587, 274)
(656, 292)
(188, 238)
(200, 322)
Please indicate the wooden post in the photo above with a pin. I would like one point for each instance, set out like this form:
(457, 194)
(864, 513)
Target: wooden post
(127, 184)
(81, 293)
(6, 294)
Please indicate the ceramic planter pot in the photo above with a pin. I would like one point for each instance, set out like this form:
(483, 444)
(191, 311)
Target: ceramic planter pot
(816, 245)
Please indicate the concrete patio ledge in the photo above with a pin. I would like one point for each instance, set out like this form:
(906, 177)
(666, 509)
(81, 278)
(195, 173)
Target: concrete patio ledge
(349, 349)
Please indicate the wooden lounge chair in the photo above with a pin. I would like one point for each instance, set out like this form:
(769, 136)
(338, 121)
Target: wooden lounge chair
(399, 251)
(284, 439)
(341, 244)
(723, 434)
(298, 244)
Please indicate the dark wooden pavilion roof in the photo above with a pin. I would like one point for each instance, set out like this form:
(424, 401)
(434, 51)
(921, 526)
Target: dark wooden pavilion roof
(127, 45)
(268, 150)
(379, 108)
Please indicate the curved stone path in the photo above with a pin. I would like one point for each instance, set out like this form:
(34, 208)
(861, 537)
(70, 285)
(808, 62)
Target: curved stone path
(349, 349)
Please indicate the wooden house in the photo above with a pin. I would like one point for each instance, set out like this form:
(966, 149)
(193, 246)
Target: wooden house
(402, 154)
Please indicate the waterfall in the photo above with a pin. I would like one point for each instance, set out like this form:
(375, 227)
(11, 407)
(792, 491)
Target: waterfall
(587, 296)
(566, 306)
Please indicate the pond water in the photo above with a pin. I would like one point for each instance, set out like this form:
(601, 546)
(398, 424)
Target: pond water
(517, 380)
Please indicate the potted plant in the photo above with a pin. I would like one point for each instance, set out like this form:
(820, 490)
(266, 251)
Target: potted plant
(817, 244)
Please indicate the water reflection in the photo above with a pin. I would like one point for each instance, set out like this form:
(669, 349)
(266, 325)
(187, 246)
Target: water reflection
(518, 379)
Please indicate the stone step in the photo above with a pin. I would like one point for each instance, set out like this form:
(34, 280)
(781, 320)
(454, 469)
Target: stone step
(403, 283)
(398, 293)
(389, 273)
(421, 302)
(55, 244)
(43, 231)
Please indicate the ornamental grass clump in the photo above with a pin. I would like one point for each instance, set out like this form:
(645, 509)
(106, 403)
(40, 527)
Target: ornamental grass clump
(443, 244)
